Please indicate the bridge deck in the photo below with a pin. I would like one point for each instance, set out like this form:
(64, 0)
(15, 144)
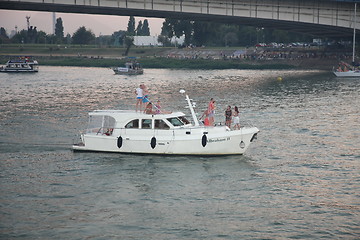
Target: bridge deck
(322, 18)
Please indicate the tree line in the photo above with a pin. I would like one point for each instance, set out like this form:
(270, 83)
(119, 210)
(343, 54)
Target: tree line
(200, 33)
(81, 36)
(196, 33)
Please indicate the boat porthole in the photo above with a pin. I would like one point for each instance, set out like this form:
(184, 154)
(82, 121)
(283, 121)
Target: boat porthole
(204, 140)
(153, 142)
(242, 144)
(119, 141)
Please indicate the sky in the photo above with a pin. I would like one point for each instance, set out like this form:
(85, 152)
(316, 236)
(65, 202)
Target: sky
(98, 24)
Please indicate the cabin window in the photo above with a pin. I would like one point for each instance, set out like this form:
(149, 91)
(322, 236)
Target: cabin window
(160, 124)
(133, 124)
(176, 122)
(146, 123)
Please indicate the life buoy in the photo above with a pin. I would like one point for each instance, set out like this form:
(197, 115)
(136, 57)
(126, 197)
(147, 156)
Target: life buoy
(119, 142)
(153, 142)
(204, 140)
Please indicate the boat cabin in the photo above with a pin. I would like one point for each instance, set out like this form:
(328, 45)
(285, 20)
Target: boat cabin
(112, 122)
(24, 64)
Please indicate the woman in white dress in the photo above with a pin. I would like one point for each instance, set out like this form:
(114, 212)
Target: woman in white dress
(236, 118)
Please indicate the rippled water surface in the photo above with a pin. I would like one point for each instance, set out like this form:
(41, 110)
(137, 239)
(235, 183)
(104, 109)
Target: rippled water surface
(299, 180)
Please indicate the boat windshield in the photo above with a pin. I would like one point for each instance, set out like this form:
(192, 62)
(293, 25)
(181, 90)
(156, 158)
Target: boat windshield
(175, 121)
(184, 120)
(100, 124)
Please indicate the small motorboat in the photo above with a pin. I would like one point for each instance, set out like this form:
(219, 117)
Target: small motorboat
(130, 68)
(350, 73)
(22, 64)
(346, 70)
(126, 131)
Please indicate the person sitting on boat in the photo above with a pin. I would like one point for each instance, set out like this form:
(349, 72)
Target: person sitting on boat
(109, 131)
(157, 107)
(148, 109)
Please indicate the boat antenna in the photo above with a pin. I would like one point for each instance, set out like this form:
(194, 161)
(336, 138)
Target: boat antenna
(354, 36)
(196, 121)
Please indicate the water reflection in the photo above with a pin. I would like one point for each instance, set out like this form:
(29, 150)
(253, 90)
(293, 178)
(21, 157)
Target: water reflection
(298, 180)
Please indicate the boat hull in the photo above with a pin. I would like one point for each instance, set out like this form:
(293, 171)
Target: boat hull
(19, 70)
(348, 74)
(203, 141)
(125, 71)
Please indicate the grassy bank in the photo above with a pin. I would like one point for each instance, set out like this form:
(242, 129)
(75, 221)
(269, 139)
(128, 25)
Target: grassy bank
(158, 62)
(149, 57)
(153, 62)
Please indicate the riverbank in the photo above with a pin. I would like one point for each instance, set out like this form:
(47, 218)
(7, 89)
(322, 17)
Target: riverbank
(161, 57)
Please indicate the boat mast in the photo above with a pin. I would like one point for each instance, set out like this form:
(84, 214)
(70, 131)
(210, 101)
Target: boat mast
(196, 121)
(354, 36)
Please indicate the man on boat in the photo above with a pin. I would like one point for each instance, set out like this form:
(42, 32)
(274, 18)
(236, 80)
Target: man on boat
(139, 97)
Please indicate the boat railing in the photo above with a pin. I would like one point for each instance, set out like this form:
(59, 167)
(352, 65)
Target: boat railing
(243, 124)
(100, 131)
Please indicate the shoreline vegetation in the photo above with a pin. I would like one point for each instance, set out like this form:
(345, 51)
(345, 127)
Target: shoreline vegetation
(175, 58)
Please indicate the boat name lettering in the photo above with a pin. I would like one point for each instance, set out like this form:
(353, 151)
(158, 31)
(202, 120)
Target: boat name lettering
(218, 140)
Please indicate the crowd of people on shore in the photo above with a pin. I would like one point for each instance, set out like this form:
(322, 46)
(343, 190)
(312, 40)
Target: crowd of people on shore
(259, 54)
(207, 118)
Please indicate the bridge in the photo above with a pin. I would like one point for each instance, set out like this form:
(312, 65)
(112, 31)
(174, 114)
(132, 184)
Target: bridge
(330, 18)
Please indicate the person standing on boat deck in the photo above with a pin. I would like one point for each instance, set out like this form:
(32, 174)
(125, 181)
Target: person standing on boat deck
(139, 97)
(211, 111)
(228, 115)
(145, 91)
(236, 118)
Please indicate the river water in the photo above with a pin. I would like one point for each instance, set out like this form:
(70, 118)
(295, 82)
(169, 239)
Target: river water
(299, 180)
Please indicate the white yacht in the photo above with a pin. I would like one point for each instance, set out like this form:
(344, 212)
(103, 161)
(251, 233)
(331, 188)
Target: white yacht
(125, 131)
(23, 64)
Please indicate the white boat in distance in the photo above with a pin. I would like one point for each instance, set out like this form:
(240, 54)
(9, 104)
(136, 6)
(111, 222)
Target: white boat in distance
(349, 73)
(126, 131)
(131, 68)
(345, 69)
(23, 64)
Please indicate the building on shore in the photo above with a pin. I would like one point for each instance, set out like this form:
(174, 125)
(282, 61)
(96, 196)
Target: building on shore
(153, 41)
